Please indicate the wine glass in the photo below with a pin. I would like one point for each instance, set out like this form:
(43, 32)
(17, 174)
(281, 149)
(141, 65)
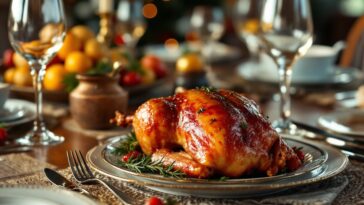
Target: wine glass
(286, 32)
(246, 18)
(36, 31)
(208, 24)
(130, 22)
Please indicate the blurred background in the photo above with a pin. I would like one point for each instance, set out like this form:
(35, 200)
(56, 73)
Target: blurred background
(168, 19)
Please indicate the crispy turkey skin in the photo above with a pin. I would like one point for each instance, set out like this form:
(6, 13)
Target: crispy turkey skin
(204, 132)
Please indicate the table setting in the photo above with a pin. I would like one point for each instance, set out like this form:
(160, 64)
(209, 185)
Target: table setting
(98, 113)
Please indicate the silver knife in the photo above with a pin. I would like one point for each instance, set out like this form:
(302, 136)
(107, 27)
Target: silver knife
(59, 180)
(15, 149)
(327, 134)
(353, 155)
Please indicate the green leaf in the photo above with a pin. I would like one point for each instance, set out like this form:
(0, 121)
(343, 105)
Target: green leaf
(101, 68)
(70, 81)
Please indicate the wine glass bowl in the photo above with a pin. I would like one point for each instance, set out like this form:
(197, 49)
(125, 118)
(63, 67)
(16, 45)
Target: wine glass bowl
(36, 30)
(207, 23)
(286, 32)
(130, 25)
(246, 19)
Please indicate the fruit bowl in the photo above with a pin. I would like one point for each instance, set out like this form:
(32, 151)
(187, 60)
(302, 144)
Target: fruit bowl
(28, 94)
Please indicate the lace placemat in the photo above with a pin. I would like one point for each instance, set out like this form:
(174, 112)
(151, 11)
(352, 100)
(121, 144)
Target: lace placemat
(19, 165)
(347, 188)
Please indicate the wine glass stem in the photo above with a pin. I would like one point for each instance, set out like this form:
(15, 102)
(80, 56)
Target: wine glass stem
(285, 76)
(38, 71)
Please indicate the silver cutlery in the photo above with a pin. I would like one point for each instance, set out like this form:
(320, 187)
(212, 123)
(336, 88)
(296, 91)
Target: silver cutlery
(83, 174)
(353, 155)
(14, 149)
(327, 134)
(59, 180)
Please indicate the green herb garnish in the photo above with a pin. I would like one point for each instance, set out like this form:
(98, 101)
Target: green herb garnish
(244, 125)
(143, 163)
(127, 145)
(207, 89)
(224, 178)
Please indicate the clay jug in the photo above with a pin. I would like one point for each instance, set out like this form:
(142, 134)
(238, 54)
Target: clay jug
(94, 101)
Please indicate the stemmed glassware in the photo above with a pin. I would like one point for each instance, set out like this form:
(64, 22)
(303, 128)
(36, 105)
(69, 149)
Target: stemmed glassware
(130, 22)
(208, 24)
(246, 18)
(286, 32)
(36, 31)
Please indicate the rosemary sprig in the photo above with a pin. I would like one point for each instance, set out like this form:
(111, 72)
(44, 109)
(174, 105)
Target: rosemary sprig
(207, 89)
(126, 145)
(144, 164)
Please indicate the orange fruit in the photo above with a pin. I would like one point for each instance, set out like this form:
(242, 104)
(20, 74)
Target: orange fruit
(9, 75)
(22, 77)
(19, 60)
(77, 62)
(189, 63)
(83, 33)
(71, 43)
(53, 79)
(93, 49)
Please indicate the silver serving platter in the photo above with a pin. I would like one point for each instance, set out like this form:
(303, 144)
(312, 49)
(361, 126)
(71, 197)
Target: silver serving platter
(231, 188)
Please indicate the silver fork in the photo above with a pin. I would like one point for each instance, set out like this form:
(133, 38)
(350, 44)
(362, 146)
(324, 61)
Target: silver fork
(83, 174)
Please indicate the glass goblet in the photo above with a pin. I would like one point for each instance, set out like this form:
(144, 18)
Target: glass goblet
(286, 32)
(36, 30)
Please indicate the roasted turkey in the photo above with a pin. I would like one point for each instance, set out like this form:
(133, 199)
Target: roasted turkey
(205, 132)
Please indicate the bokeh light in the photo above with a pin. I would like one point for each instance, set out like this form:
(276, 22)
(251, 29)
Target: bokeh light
(171, 44)
(150, 10)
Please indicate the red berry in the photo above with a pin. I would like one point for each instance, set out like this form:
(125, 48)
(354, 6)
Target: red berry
(299, 153)
(131, 155)
(118, 40)
(131, 78)
(154, 201)
(3, 135)
(8, 58)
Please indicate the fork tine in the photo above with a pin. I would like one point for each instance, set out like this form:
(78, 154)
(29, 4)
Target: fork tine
(85, 164)
(79, 164)
(72, 165)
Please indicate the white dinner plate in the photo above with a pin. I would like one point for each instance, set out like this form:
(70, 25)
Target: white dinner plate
(41, 196)
(25, 107)
(347, 122)
(219, 51)
(231, 188)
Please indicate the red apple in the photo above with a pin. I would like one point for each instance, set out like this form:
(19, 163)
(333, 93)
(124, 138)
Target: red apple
(154, 63)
